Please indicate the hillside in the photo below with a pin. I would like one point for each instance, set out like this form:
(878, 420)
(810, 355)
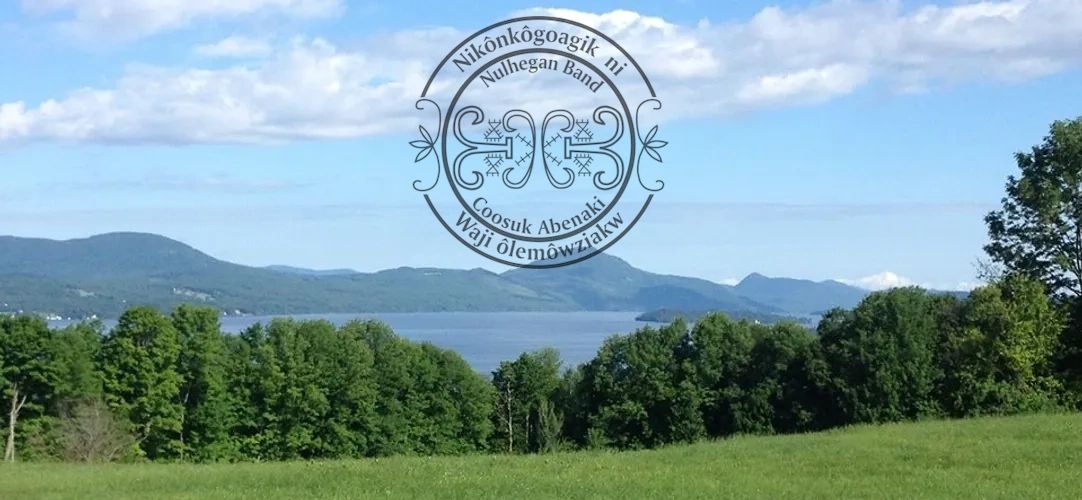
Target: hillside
(609, 283)
(799, 296)
(1002, 457)
(103, 275)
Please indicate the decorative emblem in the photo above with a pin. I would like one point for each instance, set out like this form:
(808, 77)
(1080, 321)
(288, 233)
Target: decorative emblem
(537, 94)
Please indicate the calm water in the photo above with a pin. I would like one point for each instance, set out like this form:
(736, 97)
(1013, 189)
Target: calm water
(485, 339)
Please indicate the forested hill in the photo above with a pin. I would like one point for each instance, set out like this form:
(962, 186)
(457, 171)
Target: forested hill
(103, 275)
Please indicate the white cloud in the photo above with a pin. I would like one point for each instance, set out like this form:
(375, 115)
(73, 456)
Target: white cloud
(779, 57)
(312, 90)
(234, 46)
(887, 280)
(879, 281)
(810, 85)
(662, 47)
(14, 120)
(132, 19)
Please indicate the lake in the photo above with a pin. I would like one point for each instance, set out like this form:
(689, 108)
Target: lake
(484, 339)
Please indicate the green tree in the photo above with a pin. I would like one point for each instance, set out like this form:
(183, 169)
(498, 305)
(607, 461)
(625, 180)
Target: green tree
(316, 387)
(776, 362)
(881, 357)
(640, 389)
(456, 403)
(393, 359)
(549, 428)
(722, 353)
(350, 388)
(1069, 358)
(139, 366)
(997, 357)
(28, 372)
(428, 400)
(1038, 231)
(522, 386)
(300, 403)
(809, 397)
(572, 400)
(202, 365)
(77, 348)
(256, 380)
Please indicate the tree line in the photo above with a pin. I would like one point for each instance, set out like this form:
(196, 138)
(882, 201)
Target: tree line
(174, 387)
(177, 388)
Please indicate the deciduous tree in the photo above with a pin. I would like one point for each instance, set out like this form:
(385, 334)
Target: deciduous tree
(139, 367)
(28, 372)
(202, 365)
(522, 387)
(881, 356)
(998, 356)
(1038, 231)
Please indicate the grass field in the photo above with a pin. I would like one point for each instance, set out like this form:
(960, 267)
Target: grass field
(1015, 457)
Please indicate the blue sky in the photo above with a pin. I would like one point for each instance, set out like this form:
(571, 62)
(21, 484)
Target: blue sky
(837, 140)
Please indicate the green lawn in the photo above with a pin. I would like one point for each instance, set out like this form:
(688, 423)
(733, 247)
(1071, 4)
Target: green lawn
(1016, 457)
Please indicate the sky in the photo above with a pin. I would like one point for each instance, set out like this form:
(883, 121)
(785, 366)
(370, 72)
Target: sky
(855, 140)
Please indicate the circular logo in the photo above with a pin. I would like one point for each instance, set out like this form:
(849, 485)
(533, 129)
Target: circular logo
(538, 142)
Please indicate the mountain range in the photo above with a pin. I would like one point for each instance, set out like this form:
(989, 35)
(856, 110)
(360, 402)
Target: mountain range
(103, 275)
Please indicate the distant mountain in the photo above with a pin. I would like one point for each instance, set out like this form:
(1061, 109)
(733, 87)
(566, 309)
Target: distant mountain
(113, 255)
(310, 272)
(605, 282)
(799, 296)
(106, 274)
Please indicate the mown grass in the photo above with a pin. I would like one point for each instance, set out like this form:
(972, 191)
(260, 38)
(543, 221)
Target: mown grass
(1009, 457)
